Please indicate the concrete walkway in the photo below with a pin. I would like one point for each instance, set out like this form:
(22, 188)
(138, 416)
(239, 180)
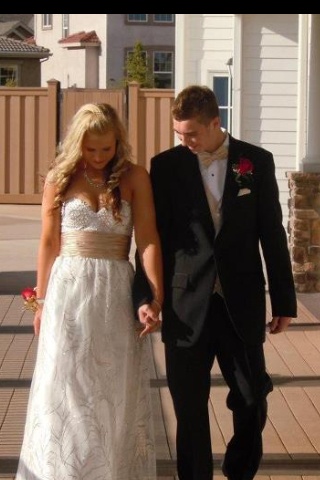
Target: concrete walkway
(19, 236)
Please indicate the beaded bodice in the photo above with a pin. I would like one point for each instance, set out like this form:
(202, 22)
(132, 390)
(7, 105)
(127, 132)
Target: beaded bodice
(78, 215)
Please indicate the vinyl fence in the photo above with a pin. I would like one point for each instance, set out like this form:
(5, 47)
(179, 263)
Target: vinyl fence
(34, 120)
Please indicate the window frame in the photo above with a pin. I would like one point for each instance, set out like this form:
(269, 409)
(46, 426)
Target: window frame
(46, 21)
(165, 21)
(149, 20)
(14, 68)
(229, 106)
(159, 73)
(149, 52)
(137, 20)
(65, 24)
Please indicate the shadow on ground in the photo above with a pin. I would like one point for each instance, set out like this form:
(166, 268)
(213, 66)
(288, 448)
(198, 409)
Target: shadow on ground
(12, 283)
(311, 301)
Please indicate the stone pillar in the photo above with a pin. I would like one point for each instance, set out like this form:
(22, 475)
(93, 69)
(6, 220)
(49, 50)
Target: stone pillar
(312, 161)
(304, 230)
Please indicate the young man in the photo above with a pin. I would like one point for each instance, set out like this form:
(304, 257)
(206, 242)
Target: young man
(214, 212)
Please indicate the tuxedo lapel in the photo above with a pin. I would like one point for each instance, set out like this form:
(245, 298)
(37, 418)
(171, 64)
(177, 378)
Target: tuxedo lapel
(231, 188)
(189, 173)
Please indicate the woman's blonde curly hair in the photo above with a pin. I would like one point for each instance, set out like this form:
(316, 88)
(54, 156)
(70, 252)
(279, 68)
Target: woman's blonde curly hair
(96, 118)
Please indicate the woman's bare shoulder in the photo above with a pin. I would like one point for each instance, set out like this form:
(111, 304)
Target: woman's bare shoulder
(135, 182)
(137, 173)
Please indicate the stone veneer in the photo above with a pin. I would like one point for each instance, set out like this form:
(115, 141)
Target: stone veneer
(304, 230)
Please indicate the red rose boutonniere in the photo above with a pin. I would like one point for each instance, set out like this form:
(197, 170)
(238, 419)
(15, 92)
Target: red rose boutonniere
(30, 299)
(243, 173)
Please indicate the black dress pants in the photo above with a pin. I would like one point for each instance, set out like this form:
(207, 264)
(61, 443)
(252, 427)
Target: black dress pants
(189, 380)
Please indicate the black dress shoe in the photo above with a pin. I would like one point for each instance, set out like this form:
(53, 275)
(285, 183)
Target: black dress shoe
(224, 471)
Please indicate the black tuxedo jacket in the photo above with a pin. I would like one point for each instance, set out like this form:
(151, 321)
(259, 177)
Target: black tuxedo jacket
(193, 254)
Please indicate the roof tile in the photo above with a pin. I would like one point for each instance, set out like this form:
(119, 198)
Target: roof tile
(10, 45)
(82, 37)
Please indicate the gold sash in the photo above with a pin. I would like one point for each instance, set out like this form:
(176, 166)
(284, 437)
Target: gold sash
(95, 245)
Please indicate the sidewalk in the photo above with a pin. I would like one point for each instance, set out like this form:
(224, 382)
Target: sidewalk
(19, 237)
(292, 433)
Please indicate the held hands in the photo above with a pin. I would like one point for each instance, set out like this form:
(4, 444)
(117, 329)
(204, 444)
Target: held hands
(149, 318)
(279, 324)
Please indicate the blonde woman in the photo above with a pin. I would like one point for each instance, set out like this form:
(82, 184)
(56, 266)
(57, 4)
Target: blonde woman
(89, 414)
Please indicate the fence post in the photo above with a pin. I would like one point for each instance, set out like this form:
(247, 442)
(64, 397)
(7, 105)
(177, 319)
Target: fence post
(133, 115)
(53, 116)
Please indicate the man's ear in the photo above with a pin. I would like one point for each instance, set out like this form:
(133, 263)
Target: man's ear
(215, 123)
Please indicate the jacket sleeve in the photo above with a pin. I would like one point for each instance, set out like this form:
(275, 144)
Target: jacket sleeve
(274, 242)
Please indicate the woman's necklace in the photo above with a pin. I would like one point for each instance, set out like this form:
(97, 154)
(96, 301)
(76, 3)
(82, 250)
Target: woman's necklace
(92, 183)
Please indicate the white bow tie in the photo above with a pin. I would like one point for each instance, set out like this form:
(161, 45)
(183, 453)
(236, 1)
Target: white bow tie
(206, 158)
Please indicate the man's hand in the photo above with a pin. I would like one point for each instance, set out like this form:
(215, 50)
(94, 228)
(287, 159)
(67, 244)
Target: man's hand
(279, 324)
(149, 318)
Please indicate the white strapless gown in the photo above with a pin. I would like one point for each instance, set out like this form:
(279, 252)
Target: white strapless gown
(89, 414)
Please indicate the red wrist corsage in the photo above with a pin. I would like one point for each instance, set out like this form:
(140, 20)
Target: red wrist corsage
(30, 299)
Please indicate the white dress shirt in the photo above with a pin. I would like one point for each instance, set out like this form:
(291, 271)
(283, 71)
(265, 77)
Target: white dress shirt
(214, 177)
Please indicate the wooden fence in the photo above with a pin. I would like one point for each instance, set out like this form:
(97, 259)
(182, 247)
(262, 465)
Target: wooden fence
(34, 120)
(149, 121)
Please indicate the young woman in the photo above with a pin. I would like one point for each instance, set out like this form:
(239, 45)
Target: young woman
(89, 414)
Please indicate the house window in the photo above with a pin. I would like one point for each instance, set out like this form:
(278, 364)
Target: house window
(8, 76)
(222, 87)
(46, 20)
(159, 65)
(65, 25)
(163, 17)
(137, 17)
(163, 69)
